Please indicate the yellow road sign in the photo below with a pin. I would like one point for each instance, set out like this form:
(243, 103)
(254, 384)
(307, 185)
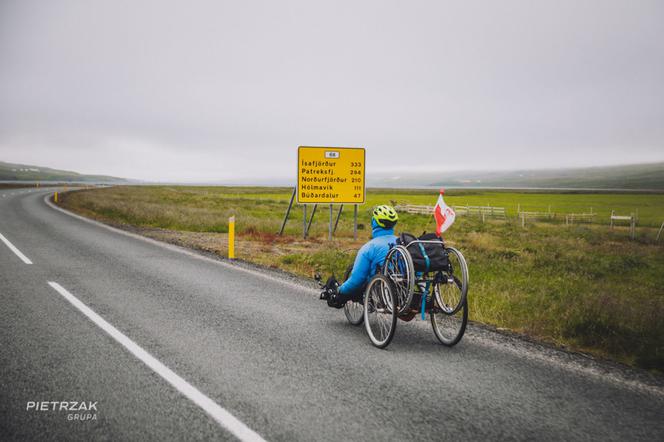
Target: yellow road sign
(330, 175)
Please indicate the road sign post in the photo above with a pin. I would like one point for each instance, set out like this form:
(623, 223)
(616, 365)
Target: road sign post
(290, 205)
(329, 231)
(355, 222)
(311, 218)
(336, 223)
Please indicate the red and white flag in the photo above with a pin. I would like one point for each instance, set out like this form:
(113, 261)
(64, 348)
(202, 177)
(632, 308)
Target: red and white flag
(444, 214)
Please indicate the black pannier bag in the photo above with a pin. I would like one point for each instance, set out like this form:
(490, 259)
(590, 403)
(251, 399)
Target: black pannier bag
(427, 257)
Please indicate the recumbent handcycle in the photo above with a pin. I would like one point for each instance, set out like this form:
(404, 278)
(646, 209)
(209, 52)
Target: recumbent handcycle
(419, 276)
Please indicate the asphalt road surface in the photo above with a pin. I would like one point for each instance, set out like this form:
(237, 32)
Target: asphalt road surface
(162, 344)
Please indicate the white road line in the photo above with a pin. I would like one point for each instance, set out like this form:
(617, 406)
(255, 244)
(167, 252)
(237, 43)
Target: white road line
(14, 249)
(219, 414)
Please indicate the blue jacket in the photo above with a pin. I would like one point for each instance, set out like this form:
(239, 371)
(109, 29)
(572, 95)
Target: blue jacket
(370, 256)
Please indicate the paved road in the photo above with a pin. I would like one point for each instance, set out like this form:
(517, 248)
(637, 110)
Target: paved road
(265, 352)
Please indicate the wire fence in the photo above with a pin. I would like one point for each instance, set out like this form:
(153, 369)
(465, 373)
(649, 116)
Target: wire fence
(524, 217)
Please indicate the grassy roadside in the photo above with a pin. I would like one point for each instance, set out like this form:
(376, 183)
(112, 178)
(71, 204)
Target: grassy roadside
(586, 286)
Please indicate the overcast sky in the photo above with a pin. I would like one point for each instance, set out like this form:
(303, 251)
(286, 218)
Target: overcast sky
(199, 91)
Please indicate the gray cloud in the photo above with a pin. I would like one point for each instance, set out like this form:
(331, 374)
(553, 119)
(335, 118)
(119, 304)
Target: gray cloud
(225, 90)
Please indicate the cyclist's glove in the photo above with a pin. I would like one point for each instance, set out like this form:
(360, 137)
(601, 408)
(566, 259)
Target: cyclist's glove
(330, 289)
(333, 297)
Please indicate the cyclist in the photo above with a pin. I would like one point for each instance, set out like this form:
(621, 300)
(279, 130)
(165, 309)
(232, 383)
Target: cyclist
(370, 258)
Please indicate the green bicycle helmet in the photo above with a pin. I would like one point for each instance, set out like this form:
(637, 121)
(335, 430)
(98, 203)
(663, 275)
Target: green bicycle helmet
(385, 216)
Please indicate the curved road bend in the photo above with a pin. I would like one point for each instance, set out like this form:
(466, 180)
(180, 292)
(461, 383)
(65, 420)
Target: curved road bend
(265, 352)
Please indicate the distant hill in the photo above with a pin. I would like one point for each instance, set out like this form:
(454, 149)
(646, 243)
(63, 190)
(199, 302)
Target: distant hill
(24, 172)
(636, 176)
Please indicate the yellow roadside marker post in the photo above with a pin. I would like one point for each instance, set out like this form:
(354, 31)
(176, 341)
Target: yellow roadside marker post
(231, 237)
(55, 197)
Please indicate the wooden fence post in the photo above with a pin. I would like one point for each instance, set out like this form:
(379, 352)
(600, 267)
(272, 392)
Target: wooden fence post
(612, 213)
(660, 232)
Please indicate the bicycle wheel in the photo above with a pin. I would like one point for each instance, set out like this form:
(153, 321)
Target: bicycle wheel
(451, 286)
(354, 312)
(353, 309)
(399, 268)
(380, 314)
(449, 328)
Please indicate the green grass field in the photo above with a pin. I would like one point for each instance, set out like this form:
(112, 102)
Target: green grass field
(586, 286)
